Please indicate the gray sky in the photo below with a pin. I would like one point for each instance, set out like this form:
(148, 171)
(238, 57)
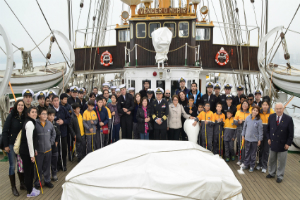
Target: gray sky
(280, 13)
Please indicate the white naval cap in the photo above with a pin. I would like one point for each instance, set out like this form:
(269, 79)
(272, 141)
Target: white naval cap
(131, 89)
(240, 87)
(227, 86)
(81, 90)
(258, 92)
(149, 90)
(51, 92)
(74, 89)
(217, 86)
(181, 79)
(106, 84)
(113, 87)
(209, 84)
(159, 91)
(39, 95)
(118, 90)
(27, 92)
(122, 86)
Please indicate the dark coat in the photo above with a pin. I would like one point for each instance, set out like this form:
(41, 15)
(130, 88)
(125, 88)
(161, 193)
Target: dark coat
(24, 145)
(259, 103)
(225, 108)
(282, 134)
(160, 111)
(194, 109)
(128, 103)
(140, 116)
(103, 114)
(143, 93)
(198, 96)
(71, 100)
(12, 126)
(83, 106)
(63, 114)
(185, 90)
(74, 128)
(57, 130)
(223, 100)
(212, 101)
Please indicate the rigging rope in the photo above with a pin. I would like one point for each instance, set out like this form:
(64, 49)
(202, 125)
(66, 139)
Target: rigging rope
(218, 21)
(26, 31)
(3, 50)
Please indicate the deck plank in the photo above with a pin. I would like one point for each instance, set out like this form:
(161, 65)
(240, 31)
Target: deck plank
(255, 185)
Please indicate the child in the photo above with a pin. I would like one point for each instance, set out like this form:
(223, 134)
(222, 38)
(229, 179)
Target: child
(191, 109)
(115, 114)
(207, 123)
(200, 109)
(77, 131)
(54, 158)
(102, 124)
(239, 120)
(90, 121)
(229, 136)
(46, 138)
(219, 118)
(109, 117)
(118, 92)
(253, 135)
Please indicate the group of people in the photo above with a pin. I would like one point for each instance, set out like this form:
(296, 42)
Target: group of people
(74, 124)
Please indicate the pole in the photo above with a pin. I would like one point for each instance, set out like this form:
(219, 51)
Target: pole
(69, 20)
(266, 31)
(185, 64)
(205, 132)
(136, 55)
(125, 55)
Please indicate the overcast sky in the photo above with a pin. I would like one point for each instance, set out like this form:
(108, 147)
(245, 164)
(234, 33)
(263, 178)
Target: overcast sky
(280, 13)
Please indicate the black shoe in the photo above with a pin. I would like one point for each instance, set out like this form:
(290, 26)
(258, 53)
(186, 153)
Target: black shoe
(64, 169)
(13, 185)
(279, 180)
(49, 185)
(269, 176)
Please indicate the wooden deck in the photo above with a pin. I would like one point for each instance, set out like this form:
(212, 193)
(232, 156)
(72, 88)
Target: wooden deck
(255, 185)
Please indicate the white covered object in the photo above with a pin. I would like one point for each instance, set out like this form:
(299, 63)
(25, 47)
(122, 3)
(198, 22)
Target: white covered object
(296, 140)
(161, 39)
(191, 131)
(147, 170)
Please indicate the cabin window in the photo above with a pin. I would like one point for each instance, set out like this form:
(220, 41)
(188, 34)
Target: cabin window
(174, 86)
(203, 34)
(130, 83)
(161, 84)
(124, 36)
(194, 29)
(140, 30)
(131, 31)
(183, 29)
(172, 27)
(152, 27)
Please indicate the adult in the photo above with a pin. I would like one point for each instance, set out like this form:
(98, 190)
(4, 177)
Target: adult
(143, 92)
(62, 118)
(280, 134)
(160, 111)
(195, 93)
(105, 86)
(257, 95)
(137, 103)
(12, 126)
(143, 117)
(150, 96)
(47, 102)
(50, 94)
(68, 92)
(27, 98)
(116, 118)
(228, 105)
(73, 98)
(251, 101)
(227, 88)
(27, 146)
(125, 108)
(118, 92)
(240, 91)
(174, 118)
(168, 96)
(40, 97)
(183, 100)
(113, 90)
(92, 96)
(182, 82)
(217, 89)
(131, 91)
(106, 96)
(209, 97)
(150, 99)
(95, 91)
(82, 100)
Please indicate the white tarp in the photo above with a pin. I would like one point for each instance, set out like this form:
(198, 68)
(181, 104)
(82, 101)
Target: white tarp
(147, 170)
(296, 119)
(161, 39)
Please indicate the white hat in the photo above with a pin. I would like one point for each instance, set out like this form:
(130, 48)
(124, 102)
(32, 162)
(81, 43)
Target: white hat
(240, 87)
(118, 90)
(27, 92)
(149, 90)
(122, 86)
(227, 86)
(40, 94)
(106, 84)
(51, 92)
(228, 96)
(217, 85)
(131, 89)
(209, 84)
(74, 89)
(159, 91)
(113, 87)
(258, 92)
(81, 90)
(181, 79)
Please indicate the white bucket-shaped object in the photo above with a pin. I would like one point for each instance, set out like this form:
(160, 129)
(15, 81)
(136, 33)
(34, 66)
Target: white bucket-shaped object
(191, 131)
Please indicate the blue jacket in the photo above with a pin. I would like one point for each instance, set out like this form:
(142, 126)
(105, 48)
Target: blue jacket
(63, 114)
(282, 134)
(198, 96)
(103, 116)
(186, 91)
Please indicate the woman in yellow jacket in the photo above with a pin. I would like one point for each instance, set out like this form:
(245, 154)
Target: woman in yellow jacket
(265, 112)
(239, 120)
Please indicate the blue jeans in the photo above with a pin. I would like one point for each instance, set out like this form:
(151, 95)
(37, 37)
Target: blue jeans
(116, 132)
(143, 136)
(12, 158)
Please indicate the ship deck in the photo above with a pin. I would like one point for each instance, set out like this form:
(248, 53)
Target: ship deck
(255, 185)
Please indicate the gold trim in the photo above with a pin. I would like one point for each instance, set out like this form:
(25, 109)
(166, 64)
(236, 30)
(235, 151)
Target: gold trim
(170, 22)
(188, 29)
(136, 29)
(202, 28)
(164, 117)
(149, 34)
(119, 36)
(153, 116)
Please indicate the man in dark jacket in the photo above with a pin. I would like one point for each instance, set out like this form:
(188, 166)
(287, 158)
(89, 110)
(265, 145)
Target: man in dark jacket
(62, 118)
(125, 107)
(257, 95)
(27, 95)
(280, 134)
(195, 93)
(82, 101)
(146, 87)
(160, 112)
(240, 90)
(74, 93)
(217, 88)
(182, 82)
(227, 88)
(209, 97)
(229, 105)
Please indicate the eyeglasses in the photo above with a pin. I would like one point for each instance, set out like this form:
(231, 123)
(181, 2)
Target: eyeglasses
(167, 93)
(250, 99)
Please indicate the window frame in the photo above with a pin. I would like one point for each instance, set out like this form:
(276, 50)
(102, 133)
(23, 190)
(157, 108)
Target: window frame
(188, 29)
(119, 35)
(131, 31)
(136, 29)
(202, 28)
(149, 34)
(175, 30)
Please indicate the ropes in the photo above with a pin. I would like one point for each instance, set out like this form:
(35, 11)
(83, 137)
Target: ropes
(3, 50)
(41, 42)
(152, 51)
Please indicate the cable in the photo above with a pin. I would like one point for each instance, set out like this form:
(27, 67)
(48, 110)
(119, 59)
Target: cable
(3, 50)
